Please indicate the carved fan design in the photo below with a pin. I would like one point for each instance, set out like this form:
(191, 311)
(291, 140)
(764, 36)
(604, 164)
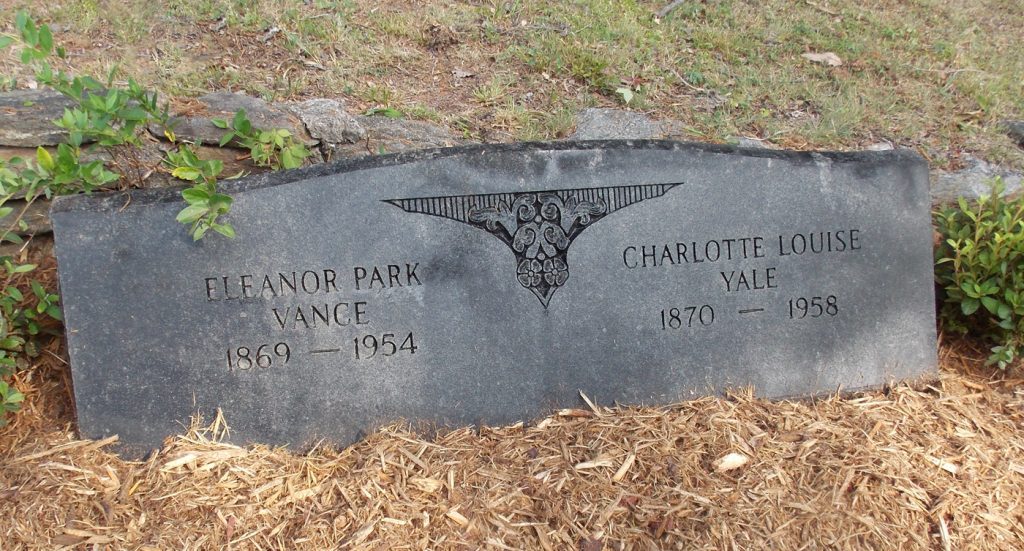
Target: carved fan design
(538, 226)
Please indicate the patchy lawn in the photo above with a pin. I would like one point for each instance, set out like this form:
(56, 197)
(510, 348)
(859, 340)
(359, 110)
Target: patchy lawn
(934, 75)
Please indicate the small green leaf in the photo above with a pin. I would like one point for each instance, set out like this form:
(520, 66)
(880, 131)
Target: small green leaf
(194, 195)
(221, 199)
(45, 39)
(970, 288)
(191, 213)
(224, 229)
(11, 343)
(12, 396)
(389, 112)
(133, 114)
(91, 83)
(186, 173)
(970, 306)
(215, 167)
(288, 161)
(44, 158)
(21, 20)
(991, 304)
(5, 41)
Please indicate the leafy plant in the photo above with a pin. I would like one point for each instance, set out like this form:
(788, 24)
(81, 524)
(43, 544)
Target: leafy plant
(274, 148)
(10, 399)
(388, 112)
(106, 115)
(111, 116)
(205, 203)
(21, 313)
(980, 265)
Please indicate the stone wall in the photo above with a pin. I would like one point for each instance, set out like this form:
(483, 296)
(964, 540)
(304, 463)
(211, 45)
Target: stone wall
(326, 126)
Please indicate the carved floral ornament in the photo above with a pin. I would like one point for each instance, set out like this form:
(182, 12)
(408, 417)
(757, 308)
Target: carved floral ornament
(538, 226)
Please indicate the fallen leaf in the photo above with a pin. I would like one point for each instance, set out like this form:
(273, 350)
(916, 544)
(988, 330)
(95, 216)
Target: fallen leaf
(459, 73)
(730, 461)
(828, 58)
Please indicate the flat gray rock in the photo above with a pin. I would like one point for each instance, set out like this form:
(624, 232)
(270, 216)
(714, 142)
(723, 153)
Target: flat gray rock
(1015, 129)
(615, 124)
(490, 284)
(26, 117)
(198, 126)
(386, 135)
(972, 182)
(36, 215)
(327, 121)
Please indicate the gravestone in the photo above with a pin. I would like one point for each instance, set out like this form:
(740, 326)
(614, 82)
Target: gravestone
(490, 284)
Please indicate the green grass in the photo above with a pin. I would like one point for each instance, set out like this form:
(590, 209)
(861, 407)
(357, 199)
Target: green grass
(935, 75)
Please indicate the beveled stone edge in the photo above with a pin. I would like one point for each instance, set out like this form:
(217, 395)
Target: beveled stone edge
(119, 200)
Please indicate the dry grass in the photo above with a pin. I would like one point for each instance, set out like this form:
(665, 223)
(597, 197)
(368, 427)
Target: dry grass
(938, 467)
(933, 75)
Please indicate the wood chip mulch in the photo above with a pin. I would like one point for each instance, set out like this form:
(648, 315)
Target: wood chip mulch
(937, 466)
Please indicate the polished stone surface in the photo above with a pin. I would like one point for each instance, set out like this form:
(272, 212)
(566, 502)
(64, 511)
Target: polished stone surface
(490, 284)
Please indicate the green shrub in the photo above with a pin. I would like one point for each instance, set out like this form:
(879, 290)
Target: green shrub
(273, 148)
(107, 116)
(980, 265)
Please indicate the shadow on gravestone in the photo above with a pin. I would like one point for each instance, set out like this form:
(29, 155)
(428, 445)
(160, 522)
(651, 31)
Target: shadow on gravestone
(493, 283)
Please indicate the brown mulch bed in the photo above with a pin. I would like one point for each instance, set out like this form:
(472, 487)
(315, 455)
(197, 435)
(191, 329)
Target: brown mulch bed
(939, 466)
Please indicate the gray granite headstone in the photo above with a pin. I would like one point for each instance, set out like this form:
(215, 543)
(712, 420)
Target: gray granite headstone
(489, 284)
